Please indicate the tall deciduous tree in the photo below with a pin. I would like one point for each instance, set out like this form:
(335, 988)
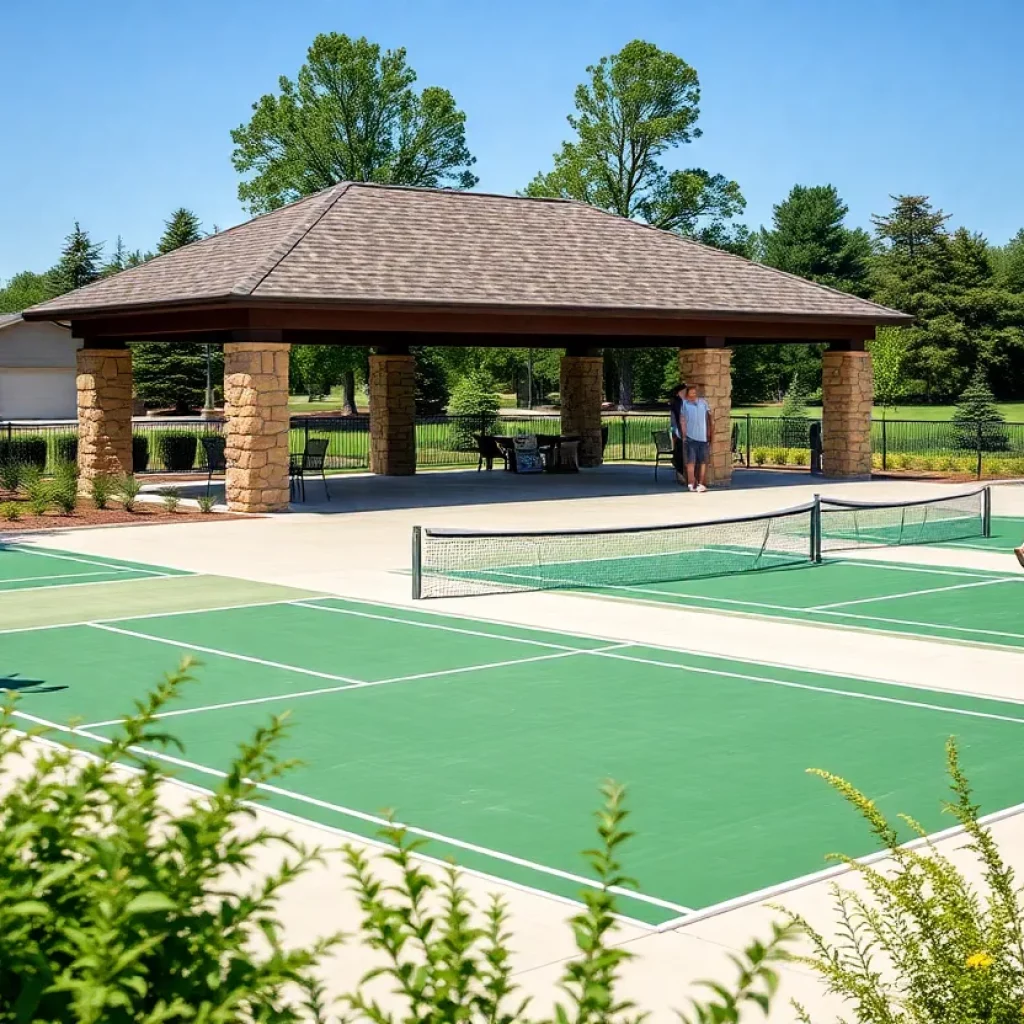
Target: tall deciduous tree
(79, 262)
(23, 290)
(638, 106)
(351, 114)
(888, 358)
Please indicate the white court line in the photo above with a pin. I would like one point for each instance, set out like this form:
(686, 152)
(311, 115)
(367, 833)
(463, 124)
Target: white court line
(376, 843)
(224, 654)
(149, 615)
(432, 625)
(781, 888)
(905, 567)
(914, 593)
(789, 684)
(358, 686)
(92, 583)
(59, 576)
(374, 819)
(43, 553)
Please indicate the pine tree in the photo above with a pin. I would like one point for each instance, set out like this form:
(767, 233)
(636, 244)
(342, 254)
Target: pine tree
(913, 226)
(118, 260)
(183, 228)
(977, 419)
(809, 238)
(169, 374)
(78, 264)
(794, 415)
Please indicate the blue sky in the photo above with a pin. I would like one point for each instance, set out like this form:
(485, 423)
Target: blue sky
(116, 111)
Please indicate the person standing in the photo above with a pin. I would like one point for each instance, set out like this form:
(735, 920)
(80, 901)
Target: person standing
(698, 433)
(677, 429)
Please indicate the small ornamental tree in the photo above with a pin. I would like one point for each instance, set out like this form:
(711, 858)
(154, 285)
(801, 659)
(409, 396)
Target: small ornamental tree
(475, 401)
(794, 415)
(978, 423)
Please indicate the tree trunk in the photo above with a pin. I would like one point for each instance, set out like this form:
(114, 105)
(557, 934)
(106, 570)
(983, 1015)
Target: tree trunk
(348, 392)
(624, 361)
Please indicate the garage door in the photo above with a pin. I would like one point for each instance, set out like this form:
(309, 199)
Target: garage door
(37, 394)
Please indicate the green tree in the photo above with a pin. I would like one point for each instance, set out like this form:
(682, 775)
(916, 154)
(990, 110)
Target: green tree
(351, 114)
(23, 290)
(118, 260)
(979, 423)
(474, 397)
(808, 237)
(172, 374)
(78, 264)
(181, 228)
(1011, 264)
(889, 357)
(432, 391)
(639, 105)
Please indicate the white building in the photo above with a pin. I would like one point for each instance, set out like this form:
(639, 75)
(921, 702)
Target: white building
(37, 370)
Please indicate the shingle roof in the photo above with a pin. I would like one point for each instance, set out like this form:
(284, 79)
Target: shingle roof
(359, 244)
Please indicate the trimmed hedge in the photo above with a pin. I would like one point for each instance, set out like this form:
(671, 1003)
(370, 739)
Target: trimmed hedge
(29, 450)
(177, 452)
(66, 448)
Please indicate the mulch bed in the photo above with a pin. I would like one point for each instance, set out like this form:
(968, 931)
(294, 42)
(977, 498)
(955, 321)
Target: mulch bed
(144, 513)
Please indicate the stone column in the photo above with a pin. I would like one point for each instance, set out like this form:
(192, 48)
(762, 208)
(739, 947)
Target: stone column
(256, 408)
(393, 414)
(581, 391)
(104, 413)
(847, 390)
(710, 369)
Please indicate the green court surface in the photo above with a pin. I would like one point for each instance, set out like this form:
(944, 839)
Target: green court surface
(961, 605)
(1007, 533)
(492, 739)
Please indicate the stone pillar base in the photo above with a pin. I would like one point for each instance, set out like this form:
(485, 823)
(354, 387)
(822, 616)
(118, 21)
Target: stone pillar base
(710, 369)
(581, 391)
(256, 408)
(392, 389)
(104, 413)
(847, 389)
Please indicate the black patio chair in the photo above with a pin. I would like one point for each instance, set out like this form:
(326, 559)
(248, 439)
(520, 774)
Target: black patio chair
(662, 448)
(488, 449)
(311, 460)
(216, 460)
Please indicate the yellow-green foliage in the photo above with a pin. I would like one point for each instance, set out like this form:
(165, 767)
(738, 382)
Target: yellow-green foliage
(924, 944)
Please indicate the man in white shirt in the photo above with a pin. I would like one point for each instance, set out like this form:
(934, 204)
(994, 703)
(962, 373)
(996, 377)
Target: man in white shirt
(698, 433)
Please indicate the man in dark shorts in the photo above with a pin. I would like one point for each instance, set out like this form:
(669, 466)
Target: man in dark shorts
(699, 432)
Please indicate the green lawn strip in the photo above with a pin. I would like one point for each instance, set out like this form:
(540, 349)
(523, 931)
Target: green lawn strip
(715, 766)
(140, 597)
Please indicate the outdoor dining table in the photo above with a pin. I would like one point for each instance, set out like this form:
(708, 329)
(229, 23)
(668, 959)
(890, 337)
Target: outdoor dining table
(549, 445)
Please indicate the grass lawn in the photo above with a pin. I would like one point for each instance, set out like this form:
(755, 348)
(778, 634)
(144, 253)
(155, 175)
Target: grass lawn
(1012, 411)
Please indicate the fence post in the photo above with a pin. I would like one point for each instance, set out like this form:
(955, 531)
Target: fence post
(623, 437)
(885, 445)
(748, 440)
(979, 448)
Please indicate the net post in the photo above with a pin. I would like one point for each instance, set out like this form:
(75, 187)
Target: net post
(816, 529)
(986, 512)
(417, 563)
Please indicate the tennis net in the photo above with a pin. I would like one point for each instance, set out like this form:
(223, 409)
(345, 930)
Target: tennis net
(846, 525)
(458, 563)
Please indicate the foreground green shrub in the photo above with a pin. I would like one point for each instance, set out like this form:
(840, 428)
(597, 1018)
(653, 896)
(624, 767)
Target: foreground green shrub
(26, 448)
(101, 489)
(64, 488)
(113, 910)
(759, 456)
(37, 490)
(171, 498)
(176, 451)
(926, 944)
(116, 910)
(206, 503)
(128, 490)
(11, 474)
(10, 511)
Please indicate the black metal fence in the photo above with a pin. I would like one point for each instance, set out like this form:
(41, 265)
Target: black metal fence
(162, 446)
